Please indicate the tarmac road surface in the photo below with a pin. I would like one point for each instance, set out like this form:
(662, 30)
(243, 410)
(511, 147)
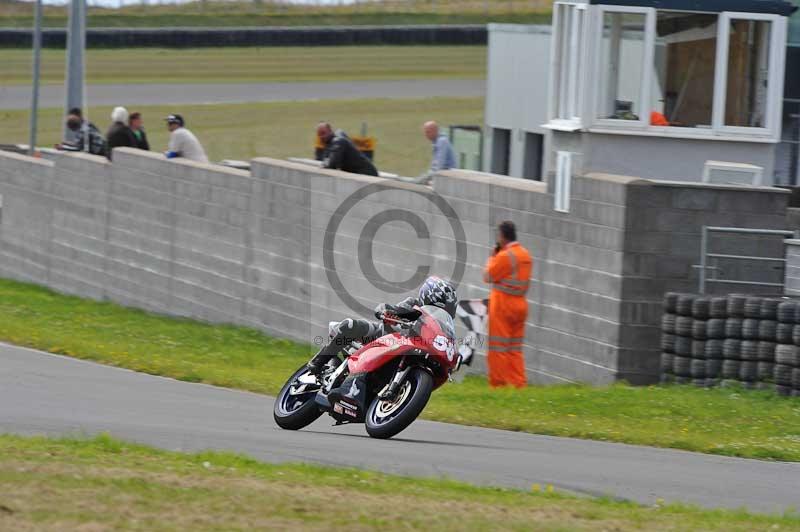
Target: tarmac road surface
(19, 96)
(48, 394)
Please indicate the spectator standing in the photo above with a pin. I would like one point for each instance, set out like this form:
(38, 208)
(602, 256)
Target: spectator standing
(444, 157)
(508, 271)
(341, 154)
(119, 134)
(137, 126)
(182, 142)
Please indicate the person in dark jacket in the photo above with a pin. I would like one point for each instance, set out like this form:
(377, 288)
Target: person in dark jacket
(119, 134)
(341, 154)
(136, 125)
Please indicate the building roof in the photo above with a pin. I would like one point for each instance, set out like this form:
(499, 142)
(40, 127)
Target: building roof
(775, 7)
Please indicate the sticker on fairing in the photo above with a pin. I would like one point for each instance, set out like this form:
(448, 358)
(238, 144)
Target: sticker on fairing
(443, 344)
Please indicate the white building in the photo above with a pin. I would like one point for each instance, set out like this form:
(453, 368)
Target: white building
(649, 88)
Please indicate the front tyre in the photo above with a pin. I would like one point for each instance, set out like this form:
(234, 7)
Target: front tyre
(385, 418)
(295, 406)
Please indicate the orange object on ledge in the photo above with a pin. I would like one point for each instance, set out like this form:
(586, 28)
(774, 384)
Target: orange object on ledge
(658, 119)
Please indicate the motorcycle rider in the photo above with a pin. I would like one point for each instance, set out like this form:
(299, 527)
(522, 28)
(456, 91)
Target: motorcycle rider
(434, 291)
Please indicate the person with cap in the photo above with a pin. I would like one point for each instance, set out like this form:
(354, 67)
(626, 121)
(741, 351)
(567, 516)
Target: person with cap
(341, 154)
(508, 270)
(119, 134)
(182, 142)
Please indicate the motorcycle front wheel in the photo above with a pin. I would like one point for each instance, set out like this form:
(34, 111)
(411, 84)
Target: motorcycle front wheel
(386, 418)
(295, 406)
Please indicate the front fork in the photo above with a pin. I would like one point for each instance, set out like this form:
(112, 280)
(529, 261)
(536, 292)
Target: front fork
(397, 380)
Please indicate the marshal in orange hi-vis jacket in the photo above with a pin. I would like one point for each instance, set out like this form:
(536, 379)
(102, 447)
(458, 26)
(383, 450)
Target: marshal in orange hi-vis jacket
(509, 273)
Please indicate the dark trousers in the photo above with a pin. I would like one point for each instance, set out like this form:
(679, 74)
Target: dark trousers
(345, 333)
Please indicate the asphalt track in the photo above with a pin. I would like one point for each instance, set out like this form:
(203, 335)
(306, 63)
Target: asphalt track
(48, 394)
(19, 96)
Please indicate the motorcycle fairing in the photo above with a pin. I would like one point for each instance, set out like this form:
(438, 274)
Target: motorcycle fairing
(348, 402)
(380, 352)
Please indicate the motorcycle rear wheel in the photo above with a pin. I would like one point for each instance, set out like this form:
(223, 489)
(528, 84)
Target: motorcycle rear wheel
(298, 410)
(385, 419)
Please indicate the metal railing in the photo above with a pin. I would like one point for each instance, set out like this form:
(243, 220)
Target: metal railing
(705, 255)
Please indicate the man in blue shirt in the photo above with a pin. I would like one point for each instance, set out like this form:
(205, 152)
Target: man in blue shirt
(443, 156)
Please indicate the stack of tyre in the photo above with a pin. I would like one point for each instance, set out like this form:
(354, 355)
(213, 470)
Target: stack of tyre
(750, 341)
(693, 328)
(743, 340)
(787, 352)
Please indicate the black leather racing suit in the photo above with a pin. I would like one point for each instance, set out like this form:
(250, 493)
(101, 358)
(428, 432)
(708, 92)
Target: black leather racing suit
(357, 330)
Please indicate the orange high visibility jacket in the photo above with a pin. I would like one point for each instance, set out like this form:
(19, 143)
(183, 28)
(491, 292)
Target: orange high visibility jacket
(509, 271)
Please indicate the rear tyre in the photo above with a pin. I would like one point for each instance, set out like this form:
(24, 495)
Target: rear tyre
(387, 418)
(295, 406)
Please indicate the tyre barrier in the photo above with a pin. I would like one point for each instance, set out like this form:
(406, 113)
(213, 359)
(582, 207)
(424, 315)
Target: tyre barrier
(476, 34)
(746, 341)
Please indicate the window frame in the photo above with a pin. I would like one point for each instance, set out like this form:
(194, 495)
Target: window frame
(718, 130)
(776, 65)
(568, 63)
(648, 52)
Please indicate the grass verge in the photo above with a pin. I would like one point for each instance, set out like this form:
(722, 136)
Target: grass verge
(244, 19)
(241, 13)
(251, 65)
(281, 129)
(752, 424)
(106, 484)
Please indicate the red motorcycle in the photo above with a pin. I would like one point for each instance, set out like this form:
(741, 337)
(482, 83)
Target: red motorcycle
(384, 384)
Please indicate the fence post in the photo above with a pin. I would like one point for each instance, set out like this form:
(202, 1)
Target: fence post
(703, 262)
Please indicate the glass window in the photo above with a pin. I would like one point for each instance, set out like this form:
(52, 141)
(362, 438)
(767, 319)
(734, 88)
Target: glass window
(747, 85)
(622, 52)
(684, 65)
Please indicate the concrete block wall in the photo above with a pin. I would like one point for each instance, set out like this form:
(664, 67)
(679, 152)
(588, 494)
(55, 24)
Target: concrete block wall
(662, 246)
(573, 322)
(223, 245)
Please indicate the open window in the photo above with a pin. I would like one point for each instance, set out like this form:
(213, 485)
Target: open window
(684, 65)
(690, 74)
(623, 54)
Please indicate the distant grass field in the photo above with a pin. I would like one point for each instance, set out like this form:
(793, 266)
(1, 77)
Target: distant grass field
(244, 131)
(107, 484)
(751, 424)
(267, 13)
(235, 65)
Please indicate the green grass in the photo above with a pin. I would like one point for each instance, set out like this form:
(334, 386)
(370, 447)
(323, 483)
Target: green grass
(112, 20)
(106, 484)
(267, 13)
(234, 65)
(754, 424)
(245, 131)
